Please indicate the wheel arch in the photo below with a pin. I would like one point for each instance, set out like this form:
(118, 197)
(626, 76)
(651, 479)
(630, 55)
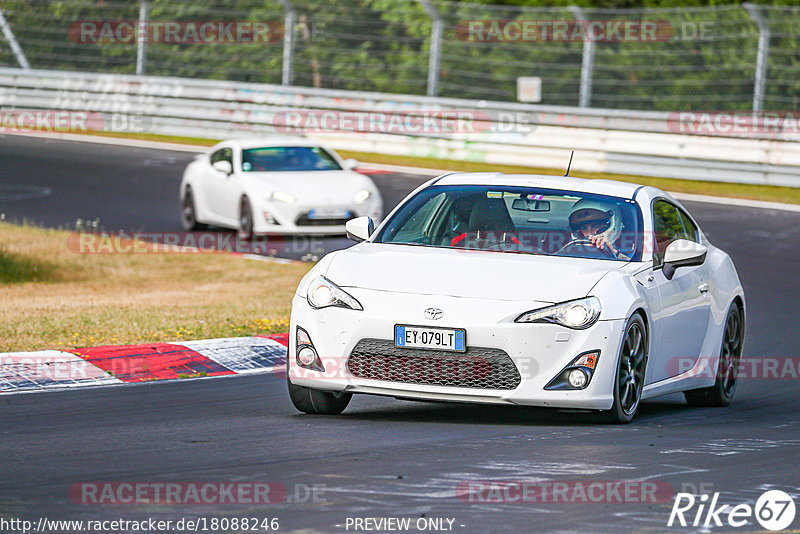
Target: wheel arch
(643, 312)
(199, 211)
(739, 301)
(190, 180)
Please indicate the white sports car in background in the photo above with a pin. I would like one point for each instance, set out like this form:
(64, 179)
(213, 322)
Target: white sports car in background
(281, 185)
(514, 289)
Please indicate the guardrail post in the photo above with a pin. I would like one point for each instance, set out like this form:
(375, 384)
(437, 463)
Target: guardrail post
(288, 42)
(761, 57)
(12, 42)
(434, 58)
(141, 36)
(587, 62)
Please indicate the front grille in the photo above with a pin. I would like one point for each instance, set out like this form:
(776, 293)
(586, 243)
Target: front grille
(478, 367)
(303, 220)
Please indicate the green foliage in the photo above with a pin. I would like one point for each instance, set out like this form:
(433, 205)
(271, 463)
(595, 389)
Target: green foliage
(707, 62)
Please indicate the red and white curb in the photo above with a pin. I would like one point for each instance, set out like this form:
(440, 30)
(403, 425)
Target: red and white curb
(22, 372)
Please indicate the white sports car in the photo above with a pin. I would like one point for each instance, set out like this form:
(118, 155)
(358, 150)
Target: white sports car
(528, 290)
(281, 185)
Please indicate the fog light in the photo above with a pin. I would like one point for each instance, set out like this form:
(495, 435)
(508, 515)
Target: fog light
(306, 357)
(577, 378)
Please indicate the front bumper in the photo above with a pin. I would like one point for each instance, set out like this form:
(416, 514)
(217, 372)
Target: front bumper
(539, 351)
(275, 217)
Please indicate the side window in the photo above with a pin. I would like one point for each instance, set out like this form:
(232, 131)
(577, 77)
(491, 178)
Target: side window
(668, 227)
(223, 154)
(414, 228)
(691, 230)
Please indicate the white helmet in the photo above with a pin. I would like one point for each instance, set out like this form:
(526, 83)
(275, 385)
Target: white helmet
(588, 210)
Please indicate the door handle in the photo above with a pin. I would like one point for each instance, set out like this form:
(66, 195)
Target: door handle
(703, 288)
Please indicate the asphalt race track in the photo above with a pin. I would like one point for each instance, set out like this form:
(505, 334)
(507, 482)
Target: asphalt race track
(125, 189)
(382, 457)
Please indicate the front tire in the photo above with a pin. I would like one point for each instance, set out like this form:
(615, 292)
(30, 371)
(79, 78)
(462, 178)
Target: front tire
(721, 393)
(314, 401)
(245, 219)
(189, 212)
(630, 373)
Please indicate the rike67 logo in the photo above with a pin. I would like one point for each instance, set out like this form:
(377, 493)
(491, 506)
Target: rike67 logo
(774, 510)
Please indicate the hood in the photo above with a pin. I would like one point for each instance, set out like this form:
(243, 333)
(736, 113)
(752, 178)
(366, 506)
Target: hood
(466, 273)
(312, 186)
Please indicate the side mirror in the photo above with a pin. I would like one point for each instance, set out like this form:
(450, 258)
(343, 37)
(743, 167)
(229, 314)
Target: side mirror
(224, 167)
(350, 163)
(359, 229)
(683, 253)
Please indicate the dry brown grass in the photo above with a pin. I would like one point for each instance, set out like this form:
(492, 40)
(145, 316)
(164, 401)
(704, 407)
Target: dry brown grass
(54, 298)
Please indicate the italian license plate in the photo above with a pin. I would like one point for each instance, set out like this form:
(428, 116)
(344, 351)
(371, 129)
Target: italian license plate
(423, 337)
(328, 214)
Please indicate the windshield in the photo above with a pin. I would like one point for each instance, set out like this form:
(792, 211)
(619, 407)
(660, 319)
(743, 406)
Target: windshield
(288, 158)
(519, 220)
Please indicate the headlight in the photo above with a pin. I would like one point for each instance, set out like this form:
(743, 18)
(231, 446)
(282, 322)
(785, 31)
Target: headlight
(281, 196)
(577, 314)
(323, 293)
(362, 195)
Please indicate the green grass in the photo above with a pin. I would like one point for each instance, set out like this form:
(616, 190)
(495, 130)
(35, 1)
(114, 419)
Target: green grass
(17, 268)
(181, 140)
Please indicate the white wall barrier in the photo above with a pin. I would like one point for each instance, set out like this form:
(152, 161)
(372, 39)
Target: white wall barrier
(614, 141)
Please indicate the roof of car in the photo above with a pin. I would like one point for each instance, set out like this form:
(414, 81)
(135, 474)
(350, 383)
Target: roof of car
(570, 183)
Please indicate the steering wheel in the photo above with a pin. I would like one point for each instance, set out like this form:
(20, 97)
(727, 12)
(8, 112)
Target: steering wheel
(584, 246)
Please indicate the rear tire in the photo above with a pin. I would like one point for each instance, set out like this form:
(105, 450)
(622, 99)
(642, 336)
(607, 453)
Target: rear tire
(189, 212)
(630, 372)
(721, 393)
(314, 401)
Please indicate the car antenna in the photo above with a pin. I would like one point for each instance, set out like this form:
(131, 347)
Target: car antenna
(570, 162)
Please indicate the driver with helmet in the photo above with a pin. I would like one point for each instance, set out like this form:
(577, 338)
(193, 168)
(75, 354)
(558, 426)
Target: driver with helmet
(598, 225)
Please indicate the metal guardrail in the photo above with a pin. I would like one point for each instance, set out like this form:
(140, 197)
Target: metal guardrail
(732, 57)
(615, 141)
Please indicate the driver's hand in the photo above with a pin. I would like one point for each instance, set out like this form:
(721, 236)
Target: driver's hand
(600, 241)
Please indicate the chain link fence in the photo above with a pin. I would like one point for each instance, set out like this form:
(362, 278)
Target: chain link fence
(726, 58)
